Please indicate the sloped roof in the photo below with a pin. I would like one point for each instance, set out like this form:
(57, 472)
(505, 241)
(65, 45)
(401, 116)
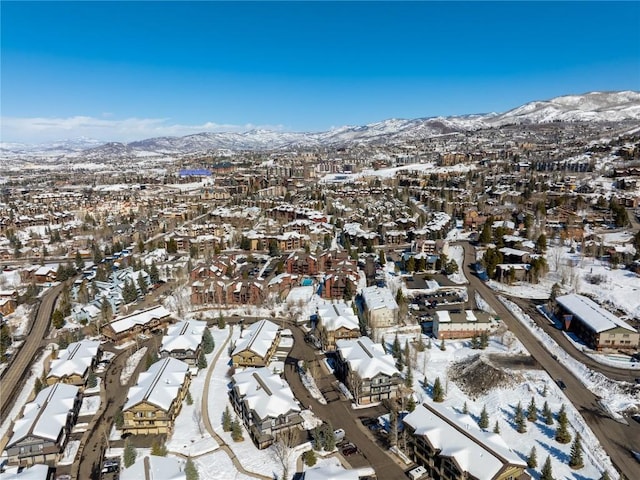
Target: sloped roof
(184, 335)
(265, 392)
(75, 359)
(159, 385)
(376, 297)
(331, 472)
(366, 358)
(139, 318)
(35, 472)
(481, 454)
(592, 314)
(257, 338)
(47, 414)
(337, 315)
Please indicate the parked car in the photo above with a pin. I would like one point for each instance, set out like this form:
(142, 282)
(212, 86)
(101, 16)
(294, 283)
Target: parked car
(348, 449)
(561, 384)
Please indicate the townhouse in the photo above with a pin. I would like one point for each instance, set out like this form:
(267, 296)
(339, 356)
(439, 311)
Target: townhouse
(336, 321)
(256, 345)
(183, 341)
(73, 364)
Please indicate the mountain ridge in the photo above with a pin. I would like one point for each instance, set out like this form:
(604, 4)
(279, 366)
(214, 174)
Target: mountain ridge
(588, 107)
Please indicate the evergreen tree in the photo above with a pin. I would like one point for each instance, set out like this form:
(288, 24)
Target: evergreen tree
(395, 348)
(189, 398)
(202, 361)
(236, 430)
(411, 404)
(438, 391)
(382, 259)
(541, 243)
(154, 274)
(496, 427)
(130, 454)
(521, 425)
(221, 321)
(57, 319)
(562, 432)
(484, 340)
(483, 423)
(190, 470)
(207, 341)
(158, 449)
(547, 473)
(544, 390)
(118, 419)
(329, 437)
(532, 459)
(605, 476)
(547, 414)
(485, 235)
(79, 260)
(310, 458)
(142, 283)
(226, 419)
(408, 379)
(38, 386)
(129, 292)
(465, 408)
(532, 411)
(576, 461)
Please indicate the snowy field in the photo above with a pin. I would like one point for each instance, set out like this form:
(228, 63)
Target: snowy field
(501, 402)
(131, 365)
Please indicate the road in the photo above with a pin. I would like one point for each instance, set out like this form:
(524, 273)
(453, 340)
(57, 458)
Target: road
(338, 411)
(616, 438)
(15, 375)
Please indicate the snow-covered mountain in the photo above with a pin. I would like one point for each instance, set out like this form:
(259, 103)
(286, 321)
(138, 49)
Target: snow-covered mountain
(590, 107)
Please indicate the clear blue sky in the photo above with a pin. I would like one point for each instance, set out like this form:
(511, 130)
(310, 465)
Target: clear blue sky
(120, 71)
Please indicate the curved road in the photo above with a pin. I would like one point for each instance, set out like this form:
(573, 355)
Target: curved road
(617, 439)
(14, 377)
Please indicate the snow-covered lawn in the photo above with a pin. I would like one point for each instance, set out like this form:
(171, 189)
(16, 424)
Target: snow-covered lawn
(501, 402)
(70, 452)
(218, 466)
(131, 365)
(456, 252)
(90, 405)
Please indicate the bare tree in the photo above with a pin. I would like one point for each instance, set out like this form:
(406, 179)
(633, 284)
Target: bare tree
(282, 449)
(197, 419)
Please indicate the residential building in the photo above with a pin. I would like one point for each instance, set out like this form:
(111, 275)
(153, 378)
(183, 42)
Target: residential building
(183, 341)
(336, 321)
(156, 400)
(40, 434)
(380, 308)
(461, 323)
(451, 446)
(265, 403)
(74, 363)
(599, 328)
(256, 345)
(368, 372)
(140, 322)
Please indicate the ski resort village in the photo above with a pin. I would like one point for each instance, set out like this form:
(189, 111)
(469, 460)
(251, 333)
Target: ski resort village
(445, 298)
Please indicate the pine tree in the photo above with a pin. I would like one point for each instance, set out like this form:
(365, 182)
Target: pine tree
(532, 411)
(532, 459)
(547, 473)
(562, 432)
(438, 392)
(411, 404)
(38, 386)
(483, 423)
(408, 379)
(465, 408)
(544, 390)
(158, 449)
(310, 458)
(547, 414)
(236, 430)
(395, 347)
(190, 470)
(154, 274)
(496, 427)
(575, 461)
(329, 437)
(189, 398)
(475, 342)
(207, 341)
(130, 454)
(521, 425)
(202, 361)
(226, 419)
(221, 321)
(484, 340)
(57, 319)
(142, 283)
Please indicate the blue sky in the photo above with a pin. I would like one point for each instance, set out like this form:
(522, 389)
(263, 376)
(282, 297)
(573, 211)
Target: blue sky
(126, 70)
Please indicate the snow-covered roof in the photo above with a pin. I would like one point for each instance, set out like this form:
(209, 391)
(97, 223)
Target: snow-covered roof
(139, 318)
(75, 359)
(35, 472)
(481, 454)
(265, 392)
(378, 297)
(258, 338)
(366, 358)
(337, 315)
(592, 314)
(331, 472)
(443, 316)
(514, 252)
(185, 335)
(46, 416)
(160, 384)
(156, 468)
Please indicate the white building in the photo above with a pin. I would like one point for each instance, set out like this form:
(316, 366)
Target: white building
(380, 308)
(74, 363)
(183, 341)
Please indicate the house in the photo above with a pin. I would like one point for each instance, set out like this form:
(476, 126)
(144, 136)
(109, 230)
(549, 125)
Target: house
(300, 263)
(152, 467)
(46, 273)
(34, 472)
(140, 322)
(368, 372)
(265, 403)
(256, 345)
(40, 435)
(74, 363)
(156, 400)
(183, 341)
(597, 327)
(336, 321)
(380, 308)
(461, 324)
(8, 301)
(451, 446)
